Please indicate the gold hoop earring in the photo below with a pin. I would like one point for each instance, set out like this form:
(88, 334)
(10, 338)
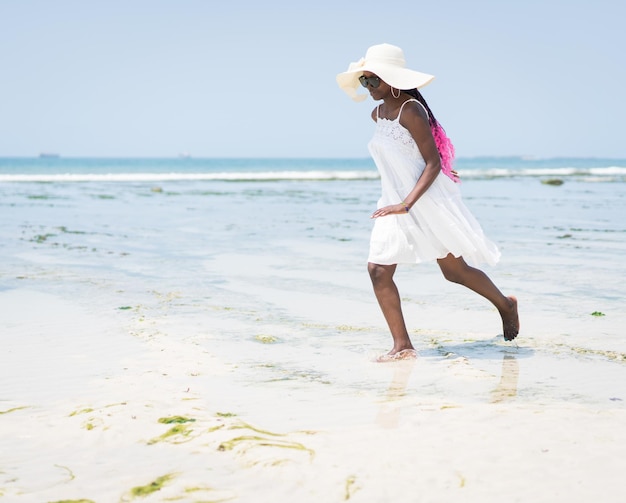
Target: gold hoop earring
(392, 93)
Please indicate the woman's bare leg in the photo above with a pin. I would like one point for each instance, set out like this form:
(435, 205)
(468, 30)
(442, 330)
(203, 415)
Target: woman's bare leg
(390, 304)
(456, 270)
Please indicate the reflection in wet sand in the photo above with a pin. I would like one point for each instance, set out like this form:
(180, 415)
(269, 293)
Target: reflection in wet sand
(507, 387)
(389, 412)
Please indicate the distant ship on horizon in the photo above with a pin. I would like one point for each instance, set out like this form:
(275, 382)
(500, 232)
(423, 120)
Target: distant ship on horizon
(48, 155)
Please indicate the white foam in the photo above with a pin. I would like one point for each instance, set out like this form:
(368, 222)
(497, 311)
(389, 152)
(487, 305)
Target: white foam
(164, 177)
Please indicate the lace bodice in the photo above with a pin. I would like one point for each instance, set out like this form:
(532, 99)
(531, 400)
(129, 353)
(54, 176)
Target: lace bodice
(395, 131)
(397, 156)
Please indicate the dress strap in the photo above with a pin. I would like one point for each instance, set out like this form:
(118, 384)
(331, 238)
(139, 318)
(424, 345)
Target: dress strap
(416, 101)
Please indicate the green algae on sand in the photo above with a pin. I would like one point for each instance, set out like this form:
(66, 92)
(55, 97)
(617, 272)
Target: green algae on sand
(178, 434)
(249, 441)
(245, 426)
(82, 411)
(225, 414)
(351, 487)
(217, 498)
(263, 438)
(14, 409)
(266, 339)
(152, 487)
(175, 420)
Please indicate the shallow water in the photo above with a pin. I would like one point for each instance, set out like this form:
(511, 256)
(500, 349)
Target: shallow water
(269, 276)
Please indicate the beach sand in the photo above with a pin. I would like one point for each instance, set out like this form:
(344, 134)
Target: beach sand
(246, 373)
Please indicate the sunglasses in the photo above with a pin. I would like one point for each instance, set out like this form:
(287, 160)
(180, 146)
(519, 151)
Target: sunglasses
(373, 82)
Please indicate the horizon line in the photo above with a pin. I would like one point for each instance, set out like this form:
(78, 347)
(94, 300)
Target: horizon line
(55, 156)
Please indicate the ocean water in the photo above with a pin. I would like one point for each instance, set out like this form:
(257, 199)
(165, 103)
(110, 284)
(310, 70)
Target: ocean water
(58, 169)
(261, 263)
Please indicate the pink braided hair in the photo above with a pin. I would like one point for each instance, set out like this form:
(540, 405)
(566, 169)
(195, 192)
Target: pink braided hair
(444, 144)
(446, 149)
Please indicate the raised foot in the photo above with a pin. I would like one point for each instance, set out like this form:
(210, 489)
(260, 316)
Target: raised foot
(510, 320)
(405, 354)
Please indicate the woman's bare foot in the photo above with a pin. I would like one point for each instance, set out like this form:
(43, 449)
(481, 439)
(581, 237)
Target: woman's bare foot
(510, 320)
(405, 354)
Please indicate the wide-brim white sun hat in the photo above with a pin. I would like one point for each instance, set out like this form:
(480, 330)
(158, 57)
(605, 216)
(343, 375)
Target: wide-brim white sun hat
(387, 62)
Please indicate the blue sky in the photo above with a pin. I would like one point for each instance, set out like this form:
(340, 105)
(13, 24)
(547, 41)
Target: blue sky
(251, 78)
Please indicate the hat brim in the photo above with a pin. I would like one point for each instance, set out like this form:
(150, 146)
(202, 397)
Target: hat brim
(399, 78)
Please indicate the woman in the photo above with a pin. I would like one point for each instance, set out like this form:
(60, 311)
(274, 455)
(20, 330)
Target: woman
(420, 215)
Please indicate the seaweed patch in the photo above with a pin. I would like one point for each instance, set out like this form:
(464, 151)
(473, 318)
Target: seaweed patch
(42, 238)
(73, 501)
(245, 426)
(152, 487)
(266, 339)
(249, 441)
(261, 438)
(69, 472)
(178, 434)
(553, 181)
(351, 328)
(175, 419)
(14, 409)
(615, 356)
(64, 229)
(222, 495)
(82, 411)
(350, 488)
(225, 414)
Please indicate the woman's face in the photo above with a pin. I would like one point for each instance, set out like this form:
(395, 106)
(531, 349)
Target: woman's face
(375, 85)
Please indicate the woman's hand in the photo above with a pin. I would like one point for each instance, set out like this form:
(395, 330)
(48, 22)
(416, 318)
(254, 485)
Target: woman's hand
(394, 209)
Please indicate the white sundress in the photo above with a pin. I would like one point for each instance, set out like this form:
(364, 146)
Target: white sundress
(439, 223)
